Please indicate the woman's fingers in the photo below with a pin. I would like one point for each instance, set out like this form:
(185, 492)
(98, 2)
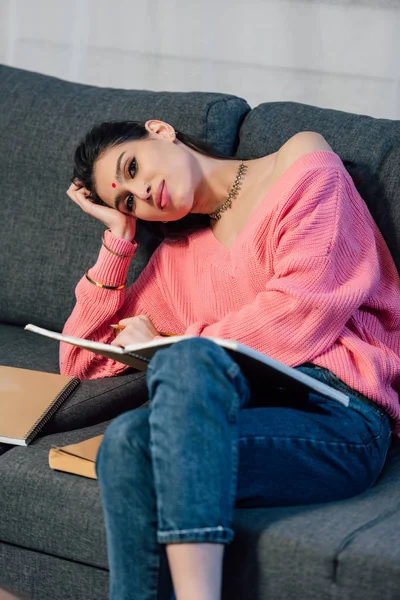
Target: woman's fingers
(75, 186)
(138, 329)
(78, 195)
(81, 197)
(121, 225)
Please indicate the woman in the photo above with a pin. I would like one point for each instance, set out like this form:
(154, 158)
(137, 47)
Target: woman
(280, 253)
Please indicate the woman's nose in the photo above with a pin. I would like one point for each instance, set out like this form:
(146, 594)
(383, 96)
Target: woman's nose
(144, 192)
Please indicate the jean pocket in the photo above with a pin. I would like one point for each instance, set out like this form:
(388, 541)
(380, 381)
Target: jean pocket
(337, 383)
(366, 407)
(376, 418)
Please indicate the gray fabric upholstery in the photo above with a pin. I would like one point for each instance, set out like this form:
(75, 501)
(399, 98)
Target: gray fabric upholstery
(345, 548)
(42, 119)
(56, 499)
(19, 348)
(38, 576)
(369, 148)
(52, 541)
(92, 402)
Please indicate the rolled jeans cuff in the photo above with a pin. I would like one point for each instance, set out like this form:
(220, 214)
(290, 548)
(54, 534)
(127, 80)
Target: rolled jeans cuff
(217, 535)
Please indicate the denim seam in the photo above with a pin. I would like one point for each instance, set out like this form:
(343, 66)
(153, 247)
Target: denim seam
(220, 535)
(233, 370)
(194, 530)
(235, 463)
(300, 439)
(234, 408)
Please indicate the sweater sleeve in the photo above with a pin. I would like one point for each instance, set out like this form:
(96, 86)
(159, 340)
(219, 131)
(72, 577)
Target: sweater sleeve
(325, 263)
(96, 308)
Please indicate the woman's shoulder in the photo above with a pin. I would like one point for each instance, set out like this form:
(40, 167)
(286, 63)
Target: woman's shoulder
(297, 146)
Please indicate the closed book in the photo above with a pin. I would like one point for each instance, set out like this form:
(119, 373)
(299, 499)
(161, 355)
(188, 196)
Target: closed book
(79, 459)
(28, 399)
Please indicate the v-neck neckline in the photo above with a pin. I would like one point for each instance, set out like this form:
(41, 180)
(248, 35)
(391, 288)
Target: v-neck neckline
(261, 206)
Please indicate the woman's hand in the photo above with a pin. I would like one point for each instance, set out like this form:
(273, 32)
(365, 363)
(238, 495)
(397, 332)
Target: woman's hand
(137, 330)
(121, 225)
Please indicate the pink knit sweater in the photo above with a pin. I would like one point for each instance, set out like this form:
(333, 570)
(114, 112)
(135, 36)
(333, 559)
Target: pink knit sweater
(309, 278)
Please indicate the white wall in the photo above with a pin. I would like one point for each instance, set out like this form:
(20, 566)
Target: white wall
(342, 54)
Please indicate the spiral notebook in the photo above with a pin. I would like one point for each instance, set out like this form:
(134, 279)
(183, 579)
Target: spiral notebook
(28, 399)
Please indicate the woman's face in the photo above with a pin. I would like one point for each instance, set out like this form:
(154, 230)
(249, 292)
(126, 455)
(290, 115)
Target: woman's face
(152, 179)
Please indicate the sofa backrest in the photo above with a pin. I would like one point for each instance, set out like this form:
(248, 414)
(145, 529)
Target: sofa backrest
(47, 242)
(369, 148)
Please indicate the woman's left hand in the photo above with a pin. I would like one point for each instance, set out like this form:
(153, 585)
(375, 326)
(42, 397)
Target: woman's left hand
(137, 330)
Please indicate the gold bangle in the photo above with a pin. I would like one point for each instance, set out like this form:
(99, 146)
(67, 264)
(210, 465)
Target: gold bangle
(116, 253)
(102, 285)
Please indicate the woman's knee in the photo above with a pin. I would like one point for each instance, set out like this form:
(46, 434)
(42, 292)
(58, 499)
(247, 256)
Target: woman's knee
(126, 436)
(193, 360)
(191, 354)
(195, 375)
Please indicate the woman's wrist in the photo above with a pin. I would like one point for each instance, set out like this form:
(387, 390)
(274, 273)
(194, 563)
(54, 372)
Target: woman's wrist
(126, 235)
(118, 245)
(112, 265)
(119, 254)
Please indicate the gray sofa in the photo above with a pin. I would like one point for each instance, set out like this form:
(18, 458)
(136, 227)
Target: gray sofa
(52, 540)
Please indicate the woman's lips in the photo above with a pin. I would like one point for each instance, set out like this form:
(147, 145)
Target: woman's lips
(164, 197)
(157, 198)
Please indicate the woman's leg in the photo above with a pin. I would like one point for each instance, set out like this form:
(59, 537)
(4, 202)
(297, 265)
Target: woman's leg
(307, 448)
(196, 391)
(126, 481)
(196, 570)
(182, 490)
(168, 473)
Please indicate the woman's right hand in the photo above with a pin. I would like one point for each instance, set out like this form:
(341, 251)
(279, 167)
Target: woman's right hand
(121, 225)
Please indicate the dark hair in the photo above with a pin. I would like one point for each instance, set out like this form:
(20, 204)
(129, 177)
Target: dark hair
(112, 133)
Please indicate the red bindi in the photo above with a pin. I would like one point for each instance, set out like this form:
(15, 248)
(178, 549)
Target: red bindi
(114, 185)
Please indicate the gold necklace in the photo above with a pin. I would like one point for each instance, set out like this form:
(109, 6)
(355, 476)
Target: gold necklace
(232, 194)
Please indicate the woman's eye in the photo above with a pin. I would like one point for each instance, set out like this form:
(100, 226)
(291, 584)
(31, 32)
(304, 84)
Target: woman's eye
(132, 168)
(130, 203)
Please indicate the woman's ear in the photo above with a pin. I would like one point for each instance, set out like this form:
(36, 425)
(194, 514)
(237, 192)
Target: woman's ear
(160, 128)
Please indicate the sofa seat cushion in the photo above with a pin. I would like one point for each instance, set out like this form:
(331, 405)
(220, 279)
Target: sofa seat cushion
(48, 511)
(93, 401)
(347, 549)
(23, 349)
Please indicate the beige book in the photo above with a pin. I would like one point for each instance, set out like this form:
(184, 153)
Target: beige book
(28, 399)
(79, 458)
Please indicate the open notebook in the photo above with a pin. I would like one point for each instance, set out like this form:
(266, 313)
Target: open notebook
(255, 365)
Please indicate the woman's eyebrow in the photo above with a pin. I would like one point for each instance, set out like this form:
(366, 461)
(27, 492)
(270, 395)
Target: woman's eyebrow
(119, 197)
(118, 170)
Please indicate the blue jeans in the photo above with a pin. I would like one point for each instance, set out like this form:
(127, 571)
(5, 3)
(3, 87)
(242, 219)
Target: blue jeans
(211, 441)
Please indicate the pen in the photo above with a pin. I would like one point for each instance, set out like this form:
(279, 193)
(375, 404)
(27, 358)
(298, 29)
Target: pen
(118, 327)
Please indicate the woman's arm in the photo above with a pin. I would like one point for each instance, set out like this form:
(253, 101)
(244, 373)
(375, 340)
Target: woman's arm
(98, 306)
